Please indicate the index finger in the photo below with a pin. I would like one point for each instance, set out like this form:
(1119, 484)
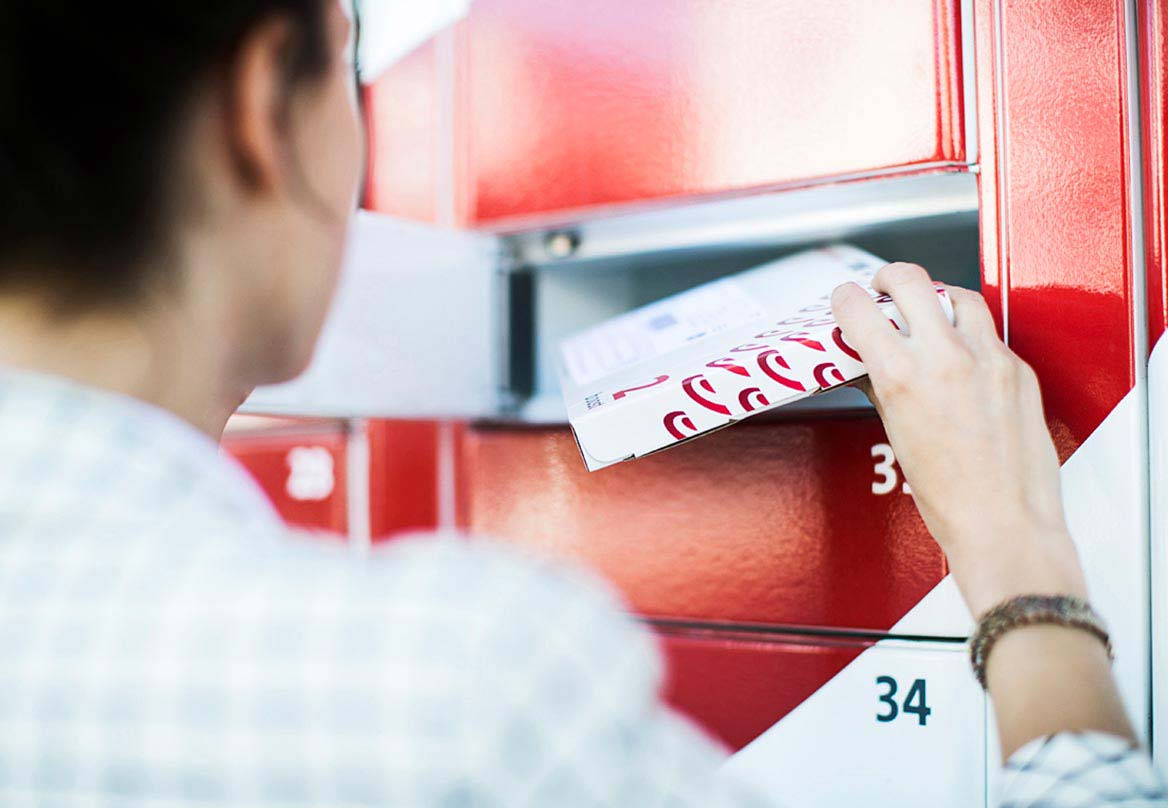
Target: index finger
(915, 296)
(864, 326)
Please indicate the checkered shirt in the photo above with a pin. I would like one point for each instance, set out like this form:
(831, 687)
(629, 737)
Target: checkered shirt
(164, 641)
(1081, 770)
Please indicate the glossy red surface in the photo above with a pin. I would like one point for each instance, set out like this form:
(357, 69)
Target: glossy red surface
(1054, 210)
(596, 102)
(318, 501)
(737, 688)
(1153, 58)
(403, 477)
(403, 142)
(771, 523)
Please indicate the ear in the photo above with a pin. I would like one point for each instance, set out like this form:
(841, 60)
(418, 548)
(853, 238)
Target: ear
(257, 105)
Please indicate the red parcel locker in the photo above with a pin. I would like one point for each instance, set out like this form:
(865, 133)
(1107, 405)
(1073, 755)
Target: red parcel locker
(1053, 106)
(561, 114)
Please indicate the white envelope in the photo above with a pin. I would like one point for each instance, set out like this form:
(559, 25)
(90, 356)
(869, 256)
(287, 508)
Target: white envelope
(708, 357)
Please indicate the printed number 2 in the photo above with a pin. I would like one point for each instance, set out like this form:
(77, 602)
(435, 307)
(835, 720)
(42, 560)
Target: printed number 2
(914, 702)
(886, 474)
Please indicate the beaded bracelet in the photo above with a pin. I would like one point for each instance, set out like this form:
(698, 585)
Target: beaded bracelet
(1030, 610)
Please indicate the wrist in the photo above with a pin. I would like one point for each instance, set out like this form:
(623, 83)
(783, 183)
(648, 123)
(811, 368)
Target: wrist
(1027, 611)
(1017, 563)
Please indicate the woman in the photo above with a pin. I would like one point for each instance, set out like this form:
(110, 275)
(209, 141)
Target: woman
(176, 184)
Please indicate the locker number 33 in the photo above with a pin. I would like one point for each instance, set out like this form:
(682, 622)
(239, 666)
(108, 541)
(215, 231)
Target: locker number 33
(915, 701)
(887, 475)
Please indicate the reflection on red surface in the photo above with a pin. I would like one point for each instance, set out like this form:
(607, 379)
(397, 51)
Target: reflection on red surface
(555, 107)
(401, 118)
(605, 101)
(770, 523)
(1154, 112)
(1054, 214)
(737, 688)
(303, 473)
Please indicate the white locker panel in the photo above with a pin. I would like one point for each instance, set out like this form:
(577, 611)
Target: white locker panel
(1158, 440)
(412, 332)
(904, 725)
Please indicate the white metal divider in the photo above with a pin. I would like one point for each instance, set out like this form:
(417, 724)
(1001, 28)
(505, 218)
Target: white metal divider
(1139, 271)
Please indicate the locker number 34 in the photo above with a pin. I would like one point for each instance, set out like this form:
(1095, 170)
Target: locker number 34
(915, 701)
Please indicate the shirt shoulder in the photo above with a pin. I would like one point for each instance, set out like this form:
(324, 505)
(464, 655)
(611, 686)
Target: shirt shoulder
(518, 678)
(486, 599)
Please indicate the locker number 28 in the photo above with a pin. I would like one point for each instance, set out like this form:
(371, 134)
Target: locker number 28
(914, 701)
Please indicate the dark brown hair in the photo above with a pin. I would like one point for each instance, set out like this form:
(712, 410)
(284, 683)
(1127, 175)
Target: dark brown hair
(92, 98)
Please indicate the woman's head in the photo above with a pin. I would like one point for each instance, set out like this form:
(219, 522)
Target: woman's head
(195, 155)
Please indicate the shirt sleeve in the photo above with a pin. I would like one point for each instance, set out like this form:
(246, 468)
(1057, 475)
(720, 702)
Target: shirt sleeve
(1081, 769)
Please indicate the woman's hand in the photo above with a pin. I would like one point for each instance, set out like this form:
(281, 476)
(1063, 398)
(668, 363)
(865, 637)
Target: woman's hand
(964, 416)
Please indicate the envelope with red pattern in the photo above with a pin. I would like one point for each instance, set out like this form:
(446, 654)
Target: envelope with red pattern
(716, 354)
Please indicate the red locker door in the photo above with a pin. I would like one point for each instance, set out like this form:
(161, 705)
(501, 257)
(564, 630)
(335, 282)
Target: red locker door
(737, 686)
(403, 137)
(586, 104)
(546, 108)
(300, 465)
(404, 462)
(801, 523)
(304, 468)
